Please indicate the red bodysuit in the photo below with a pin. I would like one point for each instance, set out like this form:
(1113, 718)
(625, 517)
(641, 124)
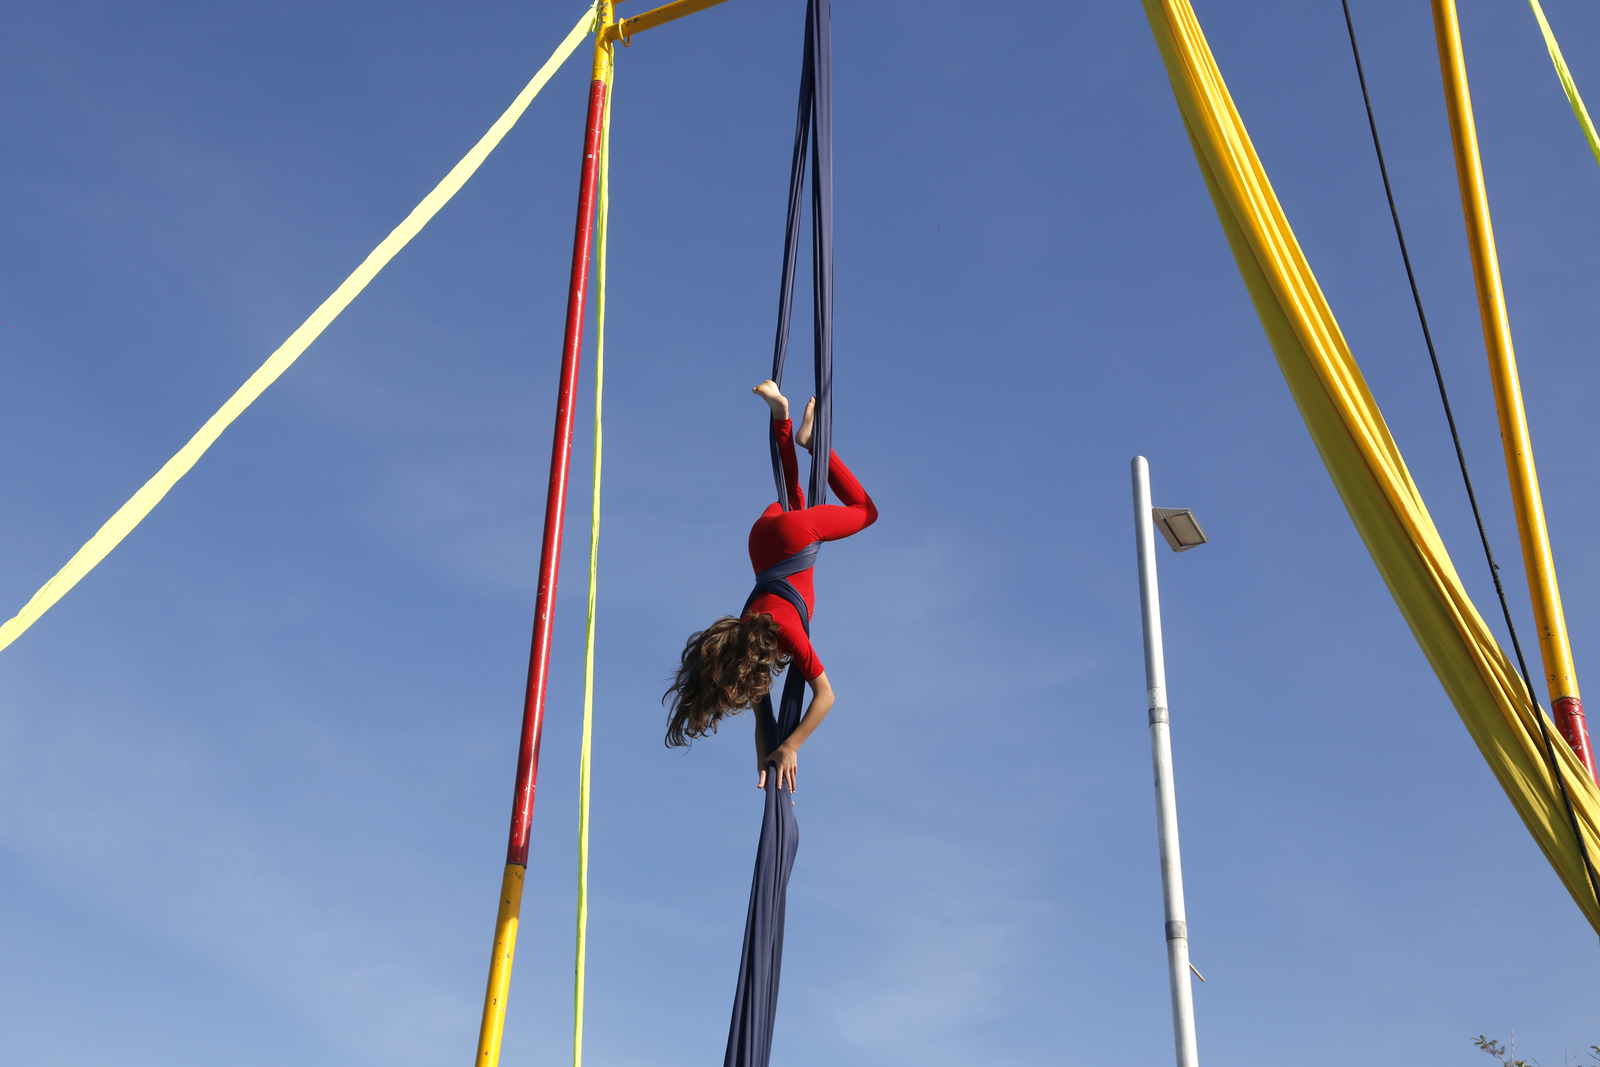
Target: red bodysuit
(779, 534)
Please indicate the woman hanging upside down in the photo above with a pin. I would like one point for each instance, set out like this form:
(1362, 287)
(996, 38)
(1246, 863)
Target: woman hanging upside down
(728, 666)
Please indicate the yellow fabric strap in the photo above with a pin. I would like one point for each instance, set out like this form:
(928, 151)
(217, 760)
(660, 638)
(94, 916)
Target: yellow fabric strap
(1366, 465)
(149, 495)
(1578, 110)
(594, 571)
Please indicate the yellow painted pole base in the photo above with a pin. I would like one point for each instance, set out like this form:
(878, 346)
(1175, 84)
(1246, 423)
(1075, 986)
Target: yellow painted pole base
(493, 1027)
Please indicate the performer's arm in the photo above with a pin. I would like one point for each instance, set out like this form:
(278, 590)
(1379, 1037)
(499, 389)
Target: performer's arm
(787, 755)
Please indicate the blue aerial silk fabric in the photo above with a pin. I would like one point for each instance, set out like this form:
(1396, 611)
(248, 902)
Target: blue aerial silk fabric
(755, 1003)
(816, 119)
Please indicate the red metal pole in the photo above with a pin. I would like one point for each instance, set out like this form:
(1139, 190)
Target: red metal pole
(556, 498)
(506, 921)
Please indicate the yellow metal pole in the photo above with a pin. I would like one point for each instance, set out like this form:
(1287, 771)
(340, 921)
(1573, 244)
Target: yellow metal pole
(1560, 675)
(625, 29)
(492, 1026)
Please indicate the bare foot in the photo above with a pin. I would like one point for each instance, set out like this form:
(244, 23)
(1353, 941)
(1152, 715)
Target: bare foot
(802, 436)
(768, 391)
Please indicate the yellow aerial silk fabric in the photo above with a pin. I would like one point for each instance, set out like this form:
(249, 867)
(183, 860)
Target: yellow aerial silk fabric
(1366, 466)
(1579, 112)
(586, 752)
(149, 495)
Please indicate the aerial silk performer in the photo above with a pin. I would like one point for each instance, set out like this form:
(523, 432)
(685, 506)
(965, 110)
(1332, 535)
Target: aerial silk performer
(729, 666)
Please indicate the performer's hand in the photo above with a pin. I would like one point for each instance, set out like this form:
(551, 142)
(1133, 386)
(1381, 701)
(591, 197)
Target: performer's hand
(787, 758)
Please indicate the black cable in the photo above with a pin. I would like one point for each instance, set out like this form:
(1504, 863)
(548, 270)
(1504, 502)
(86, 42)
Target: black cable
(1466, 476)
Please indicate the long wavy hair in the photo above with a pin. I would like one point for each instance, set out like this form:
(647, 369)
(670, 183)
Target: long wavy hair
(725, 668)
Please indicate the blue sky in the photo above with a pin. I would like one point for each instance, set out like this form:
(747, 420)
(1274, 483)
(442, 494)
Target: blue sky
(255, 770)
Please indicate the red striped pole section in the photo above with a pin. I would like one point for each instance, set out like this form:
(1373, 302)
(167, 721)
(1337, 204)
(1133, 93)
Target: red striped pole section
(505, 939)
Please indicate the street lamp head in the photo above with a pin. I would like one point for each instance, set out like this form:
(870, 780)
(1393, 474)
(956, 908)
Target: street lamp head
(1179, 527)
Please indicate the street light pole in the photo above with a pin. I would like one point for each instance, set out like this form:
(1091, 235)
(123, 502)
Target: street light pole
(1155, 680)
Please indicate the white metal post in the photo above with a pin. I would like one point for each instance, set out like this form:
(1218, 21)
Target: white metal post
(1155, 680)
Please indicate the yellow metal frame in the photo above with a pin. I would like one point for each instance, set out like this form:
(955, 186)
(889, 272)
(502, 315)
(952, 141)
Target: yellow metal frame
(625, 29)
(492, 1029)
(605, 22)
(1556, 649)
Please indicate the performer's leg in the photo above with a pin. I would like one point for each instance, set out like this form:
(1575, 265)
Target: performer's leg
(768, 391)
(802, 436)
